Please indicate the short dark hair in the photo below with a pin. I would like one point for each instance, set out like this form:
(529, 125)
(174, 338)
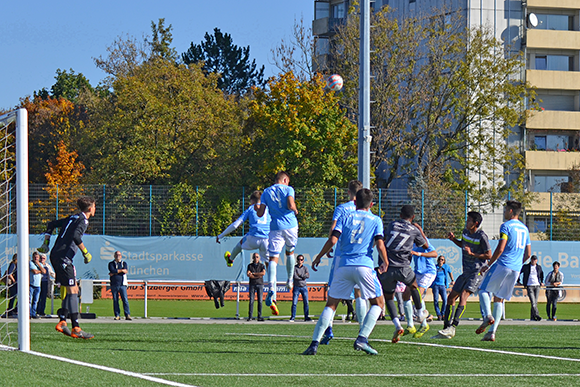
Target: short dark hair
(256, 195)
(280, 175)
(85, 202)
(533, 257)
(516, 207)
(354, 186)
(556, 263)
(407, 211)
(476, 217)
(299, 256)
(364, 198)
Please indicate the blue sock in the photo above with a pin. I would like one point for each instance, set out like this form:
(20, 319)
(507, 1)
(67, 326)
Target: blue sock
(361, 310)
(236, 251)
(408, 305)
(290, 263)
(485, 303)
(370, 321)
(497, 314)
(322, 324)
(272, 278)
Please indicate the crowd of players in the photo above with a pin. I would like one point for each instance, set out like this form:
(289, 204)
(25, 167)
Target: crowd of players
(355, 231)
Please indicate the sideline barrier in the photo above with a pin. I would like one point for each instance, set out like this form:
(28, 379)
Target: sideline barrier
(195, 290)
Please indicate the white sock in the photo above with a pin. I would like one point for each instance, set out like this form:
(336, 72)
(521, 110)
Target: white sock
(323, 323)
(236, 251)
(361, 310)
(485, 303)
(397, 323)
(497, 313)
(370, 321)
(290, 263)
(423, 308)
(272, 278)
(408, 305)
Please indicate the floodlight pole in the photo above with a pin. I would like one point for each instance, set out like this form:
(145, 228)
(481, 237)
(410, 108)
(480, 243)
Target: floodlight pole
(364, 106)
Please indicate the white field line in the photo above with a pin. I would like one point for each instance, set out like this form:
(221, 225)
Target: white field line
(103, 368)
(432, 345)
(370, 375)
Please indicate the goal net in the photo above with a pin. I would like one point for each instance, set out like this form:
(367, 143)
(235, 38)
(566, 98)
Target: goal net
(14, 243)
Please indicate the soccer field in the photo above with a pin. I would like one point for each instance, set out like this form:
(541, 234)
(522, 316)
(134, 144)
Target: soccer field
(232, 353)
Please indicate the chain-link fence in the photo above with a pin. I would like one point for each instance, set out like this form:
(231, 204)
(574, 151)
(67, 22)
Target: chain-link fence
(132, 210)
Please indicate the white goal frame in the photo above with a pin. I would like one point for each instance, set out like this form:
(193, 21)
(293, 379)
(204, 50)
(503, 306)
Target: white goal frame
(20, 117)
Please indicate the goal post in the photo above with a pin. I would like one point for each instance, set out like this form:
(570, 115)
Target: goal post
(14, 192)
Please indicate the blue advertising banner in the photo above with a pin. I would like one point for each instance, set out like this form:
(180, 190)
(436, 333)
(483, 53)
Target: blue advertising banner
(201, 258)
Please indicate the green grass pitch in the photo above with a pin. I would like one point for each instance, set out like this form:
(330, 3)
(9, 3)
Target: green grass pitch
(264, 354)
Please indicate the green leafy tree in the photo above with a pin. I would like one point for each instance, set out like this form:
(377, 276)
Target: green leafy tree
(220, 55)
(164, 124)
(299, 127)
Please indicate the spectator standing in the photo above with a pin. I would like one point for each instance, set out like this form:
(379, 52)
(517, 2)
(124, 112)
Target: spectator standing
(118, 274)
(45, 285)
(12, 282)
(553, 283)
(533, 279)
(256, 272)
(300, 288)
(443, 280)
(36, 272)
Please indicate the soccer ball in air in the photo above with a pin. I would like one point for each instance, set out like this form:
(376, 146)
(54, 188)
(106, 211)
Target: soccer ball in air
(334, 82)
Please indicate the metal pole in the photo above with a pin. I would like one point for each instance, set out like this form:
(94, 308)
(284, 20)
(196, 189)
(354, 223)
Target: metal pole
(104, 207)
(551, 218)
(145, 297)
(243, 208)
(150, 207)
(364, 106)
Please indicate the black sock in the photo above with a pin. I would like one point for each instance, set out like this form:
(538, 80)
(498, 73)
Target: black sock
(458, 313)
(447, 320)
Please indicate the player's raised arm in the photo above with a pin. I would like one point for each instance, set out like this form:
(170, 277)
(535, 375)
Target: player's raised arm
(260, 209)
(330, 242)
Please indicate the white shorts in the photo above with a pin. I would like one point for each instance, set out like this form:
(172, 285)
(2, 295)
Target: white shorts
(250, 242)
(500, 281)
(425, 280)
(346, 277)
(277, 239)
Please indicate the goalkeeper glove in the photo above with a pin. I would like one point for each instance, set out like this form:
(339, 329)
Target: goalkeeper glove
(87, 255)
(44, 248)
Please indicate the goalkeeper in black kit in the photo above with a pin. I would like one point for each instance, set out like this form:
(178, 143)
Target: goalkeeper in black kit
(69, 240)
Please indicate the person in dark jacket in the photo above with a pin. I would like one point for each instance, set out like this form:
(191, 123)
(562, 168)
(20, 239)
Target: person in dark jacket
(533, 279)
(300, 276)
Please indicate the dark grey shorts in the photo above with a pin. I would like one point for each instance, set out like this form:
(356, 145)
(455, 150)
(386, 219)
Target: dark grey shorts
(389, 279)
(468, 281)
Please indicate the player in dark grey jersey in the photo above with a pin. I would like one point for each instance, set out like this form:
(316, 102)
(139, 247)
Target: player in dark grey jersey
(399, 239)
(68, 242)
(476, 251)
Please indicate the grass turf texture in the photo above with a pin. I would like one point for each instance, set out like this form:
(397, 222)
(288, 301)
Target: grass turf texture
(222, 351)
(182, 309)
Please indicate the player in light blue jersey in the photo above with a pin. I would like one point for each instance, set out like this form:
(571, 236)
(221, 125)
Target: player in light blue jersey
(355, 234)
(425, 273)
(342, 210)
(513, 249)
(279, 200)
(256, 238)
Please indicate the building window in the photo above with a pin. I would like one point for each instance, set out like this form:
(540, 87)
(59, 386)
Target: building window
(339, 11)
(565, 103)
(540, 225)
(555, 62)
(555, 22)
(544, 183)
(540, 142)
(541, 62)
(321, 10)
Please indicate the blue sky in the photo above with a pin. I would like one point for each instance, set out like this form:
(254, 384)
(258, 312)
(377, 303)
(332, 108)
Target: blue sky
(39, 37)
